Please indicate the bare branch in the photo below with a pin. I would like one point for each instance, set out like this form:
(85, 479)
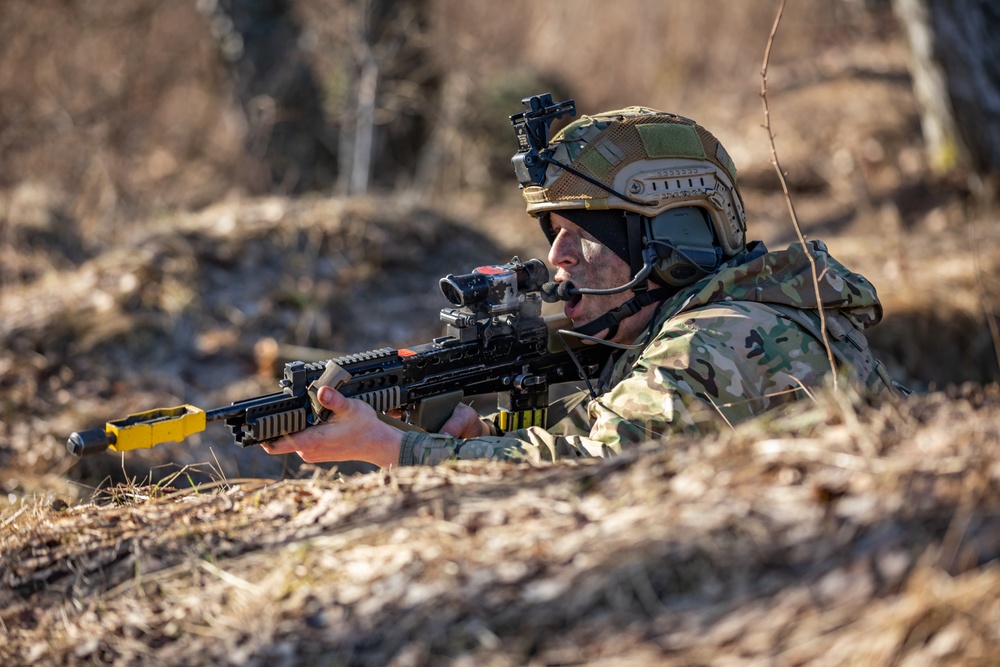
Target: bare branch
(784, 188)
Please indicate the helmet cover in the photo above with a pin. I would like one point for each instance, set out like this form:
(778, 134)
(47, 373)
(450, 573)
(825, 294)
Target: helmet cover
(659, 161)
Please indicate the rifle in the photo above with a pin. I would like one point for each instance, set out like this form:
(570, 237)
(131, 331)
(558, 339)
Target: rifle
(496, 341)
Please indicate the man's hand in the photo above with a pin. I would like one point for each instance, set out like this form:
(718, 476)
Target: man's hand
(465, 423)
(352, 433)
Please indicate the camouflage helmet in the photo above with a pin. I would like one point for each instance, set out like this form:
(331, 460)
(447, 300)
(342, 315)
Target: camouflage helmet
(645, 161)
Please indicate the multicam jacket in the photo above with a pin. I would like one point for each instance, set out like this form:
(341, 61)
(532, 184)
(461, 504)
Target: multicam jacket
(738, 342)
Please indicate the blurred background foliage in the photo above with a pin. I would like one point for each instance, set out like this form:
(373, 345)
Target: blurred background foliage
(112, 110)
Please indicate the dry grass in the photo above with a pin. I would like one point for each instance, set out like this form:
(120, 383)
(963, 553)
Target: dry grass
(832, 533)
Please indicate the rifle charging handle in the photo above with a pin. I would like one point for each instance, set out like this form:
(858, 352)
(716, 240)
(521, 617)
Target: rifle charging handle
(86, 443)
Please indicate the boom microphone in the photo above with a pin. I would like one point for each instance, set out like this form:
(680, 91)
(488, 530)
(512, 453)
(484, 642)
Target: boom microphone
(565, 291)
(553, 291)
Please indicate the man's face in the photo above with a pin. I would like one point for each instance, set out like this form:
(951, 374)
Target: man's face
(579, 257)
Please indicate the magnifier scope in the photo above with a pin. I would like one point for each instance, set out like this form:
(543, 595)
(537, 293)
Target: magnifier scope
(497, 288)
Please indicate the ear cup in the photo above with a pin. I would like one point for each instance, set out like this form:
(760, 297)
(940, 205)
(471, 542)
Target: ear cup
(685, 245)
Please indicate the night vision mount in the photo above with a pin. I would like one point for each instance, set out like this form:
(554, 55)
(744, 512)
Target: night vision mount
(531, 127)
(533, 156)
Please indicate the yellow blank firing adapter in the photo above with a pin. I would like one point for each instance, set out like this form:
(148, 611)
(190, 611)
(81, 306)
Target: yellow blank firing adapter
(140, 431)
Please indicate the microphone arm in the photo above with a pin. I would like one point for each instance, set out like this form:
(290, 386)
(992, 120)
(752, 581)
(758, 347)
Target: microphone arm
(566, 290)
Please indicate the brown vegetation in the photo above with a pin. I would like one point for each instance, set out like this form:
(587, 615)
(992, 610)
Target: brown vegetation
(831, 533)
(143, 258)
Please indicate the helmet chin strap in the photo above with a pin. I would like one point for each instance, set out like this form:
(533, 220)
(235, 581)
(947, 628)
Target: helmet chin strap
(613, 318)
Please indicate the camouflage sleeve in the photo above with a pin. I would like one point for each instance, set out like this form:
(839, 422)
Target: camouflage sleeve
(533, 444)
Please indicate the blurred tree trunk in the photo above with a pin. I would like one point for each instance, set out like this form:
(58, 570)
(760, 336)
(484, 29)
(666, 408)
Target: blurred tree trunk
(388, 113)
(364, 134)
(955, 63)
(287, 134)
(357, 132)
(338, 94)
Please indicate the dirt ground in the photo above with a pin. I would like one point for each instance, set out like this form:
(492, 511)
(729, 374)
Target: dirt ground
(835, 532)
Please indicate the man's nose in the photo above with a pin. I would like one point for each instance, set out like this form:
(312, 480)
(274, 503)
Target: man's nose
(562, 252)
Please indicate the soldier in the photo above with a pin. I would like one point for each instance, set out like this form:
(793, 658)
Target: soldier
(647, 233)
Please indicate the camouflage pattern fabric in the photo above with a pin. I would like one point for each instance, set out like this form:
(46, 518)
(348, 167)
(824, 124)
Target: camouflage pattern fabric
(739, 342)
